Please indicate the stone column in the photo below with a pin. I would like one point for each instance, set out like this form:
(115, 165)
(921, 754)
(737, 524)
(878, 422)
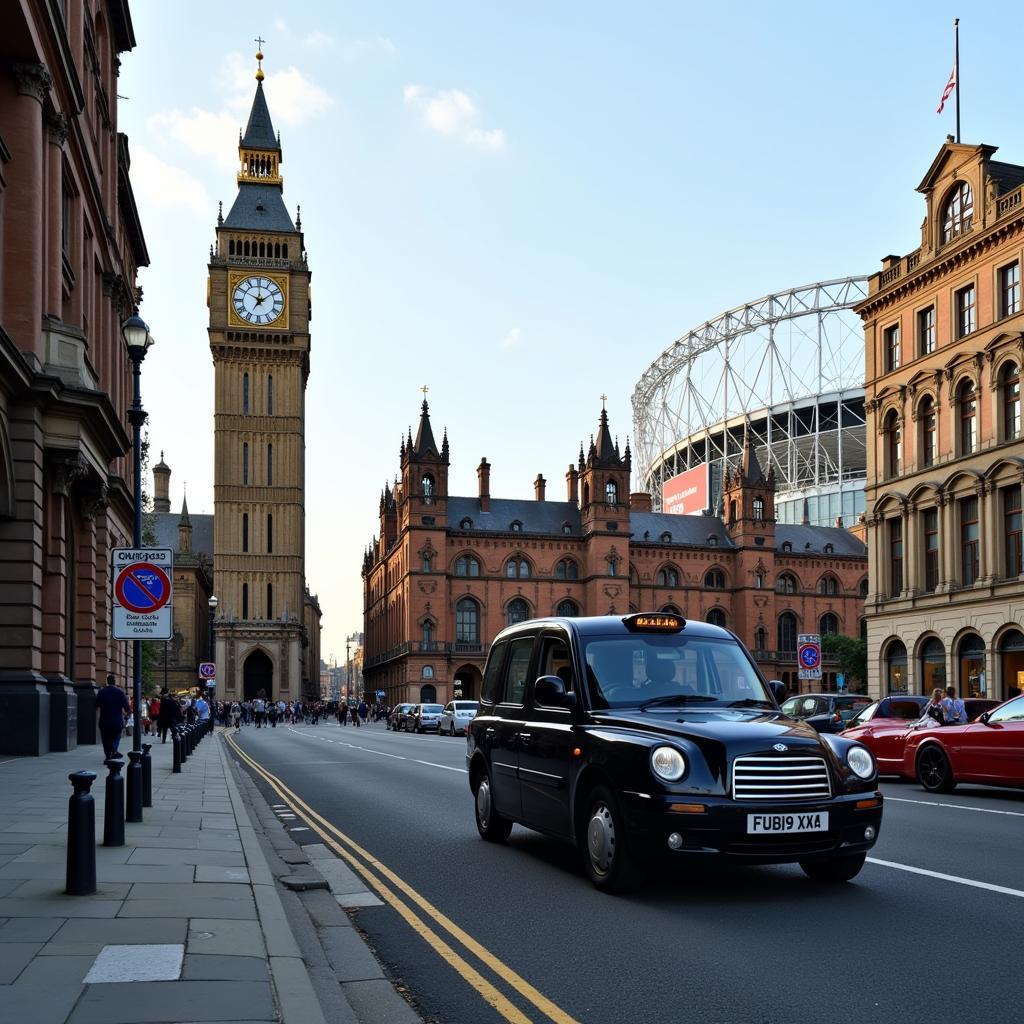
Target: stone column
(23, 208)
(948, 542)
(91, 580)
(56, 134)
(911, 569)
(988, 520)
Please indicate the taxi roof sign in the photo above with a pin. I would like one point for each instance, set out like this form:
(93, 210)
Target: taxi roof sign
(654, 622)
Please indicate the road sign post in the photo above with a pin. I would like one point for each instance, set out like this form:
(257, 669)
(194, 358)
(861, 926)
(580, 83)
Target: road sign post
(808, 655)
(143, 589)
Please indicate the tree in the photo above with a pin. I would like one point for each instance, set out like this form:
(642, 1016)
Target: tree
(851, 656)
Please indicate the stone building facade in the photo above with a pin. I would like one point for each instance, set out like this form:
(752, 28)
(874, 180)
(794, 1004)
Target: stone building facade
(70, 245)
(944, 338)
(446, 572)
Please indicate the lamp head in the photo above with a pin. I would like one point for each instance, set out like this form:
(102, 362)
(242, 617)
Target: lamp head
(136, 334)
(212, 602)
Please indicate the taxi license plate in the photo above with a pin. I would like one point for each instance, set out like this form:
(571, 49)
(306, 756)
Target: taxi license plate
(773, 824)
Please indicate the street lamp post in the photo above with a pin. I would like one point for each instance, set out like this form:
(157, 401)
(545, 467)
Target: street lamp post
(213, 658)
(138, 340)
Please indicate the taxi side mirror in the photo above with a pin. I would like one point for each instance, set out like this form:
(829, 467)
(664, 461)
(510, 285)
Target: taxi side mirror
(778, 688)
(550, 692)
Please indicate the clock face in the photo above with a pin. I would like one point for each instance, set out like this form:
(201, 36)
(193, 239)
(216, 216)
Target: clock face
(258, 300)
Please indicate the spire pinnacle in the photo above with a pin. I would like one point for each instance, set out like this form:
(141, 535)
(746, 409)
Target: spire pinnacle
(259, 41)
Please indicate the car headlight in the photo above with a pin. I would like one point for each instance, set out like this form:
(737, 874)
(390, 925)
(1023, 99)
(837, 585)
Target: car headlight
(861, 761)
(668, 764)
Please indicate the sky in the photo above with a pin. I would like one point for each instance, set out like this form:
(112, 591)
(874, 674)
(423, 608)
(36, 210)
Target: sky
(520, 206)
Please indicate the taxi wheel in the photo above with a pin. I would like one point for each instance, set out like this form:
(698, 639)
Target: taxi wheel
(839, 869)
(489, 823)
(609, 863)
(934, 771)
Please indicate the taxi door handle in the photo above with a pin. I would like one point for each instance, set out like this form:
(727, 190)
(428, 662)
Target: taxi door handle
(489, 731)
(524, 738)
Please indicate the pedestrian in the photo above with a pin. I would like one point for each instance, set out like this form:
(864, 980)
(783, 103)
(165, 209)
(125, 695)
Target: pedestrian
(111, 705)
(170, 714)
(272, 713)
(202, 709)
(953, 707)
(259, 707)
(934, 710)
(236, 713)
(364, 710)
(343, 714)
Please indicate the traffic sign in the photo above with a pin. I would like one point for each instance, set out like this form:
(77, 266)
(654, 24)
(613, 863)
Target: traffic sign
(381, 693)
(142, 589)
(808, 655)
(207, 670)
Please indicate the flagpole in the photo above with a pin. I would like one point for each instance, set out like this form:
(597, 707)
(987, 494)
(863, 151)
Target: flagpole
(956, 64)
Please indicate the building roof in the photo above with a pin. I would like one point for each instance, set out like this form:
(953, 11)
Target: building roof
(812, 539)
(259, 207)
(259, 132)
(425, 435)
(165, 532)
(534, 516)
(689, 531)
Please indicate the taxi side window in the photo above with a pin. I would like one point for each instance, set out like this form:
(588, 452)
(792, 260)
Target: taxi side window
(555, 661)
(491, 690)
(520, 653)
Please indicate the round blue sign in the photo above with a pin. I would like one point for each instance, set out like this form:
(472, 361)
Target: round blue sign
(809, 657)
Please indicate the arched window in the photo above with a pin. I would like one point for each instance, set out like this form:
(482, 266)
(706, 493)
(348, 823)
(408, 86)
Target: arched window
(828, 624)
(933, 665)
(428, 635)
(567, 569)
(270, 464)
(967, 401)
(428, 694)
(427, 563)
(787, 633)
(896, 667)
(862, 588)
(231, 247)
(785, 584)
(245, 249)
(929, 430)
(284, 250)
(428, 488)
(245, 394)
(467, 565)
(270, 394)
(270, 600)
(714, 579)
(466, 523)
(787, 546)
(245, 463)
(567, 609)
(517, 568)
(516, 526)
(958, 213)
(467, 621)
(586, 495)
(611, 493)
(893, 444)
(971, 656)
(245, 600)
(245, 531)
(517, 610)
(1009, 391)
(566, 527)
(829, 586)
(716, 617)
(758, 509)
(666, 538)
(612, 567)
(270, 533)
(760, 638)
(668, 577)
(669, 609)
(732, 512)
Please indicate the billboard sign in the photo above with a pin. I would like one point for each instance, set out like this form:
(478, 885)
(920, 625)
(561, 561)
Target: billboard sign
(688, 493)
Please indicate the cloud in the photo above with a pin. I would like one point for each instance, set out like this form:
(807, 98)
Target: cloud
(292, 97)
(280, 25)
(450, 112)
(319, 40)
(158, 184)
(201, 131)
(512, 339)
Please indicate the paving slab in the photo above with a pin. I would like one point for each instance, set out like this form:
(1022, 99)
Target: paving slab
(14, 957)
(173, 1001)
(377, 1001)
(215, 873)
(46, 990)
(137, 962)
(218, 966)
(187, 890)
(47, 887)
(223, 858)
(58, 906)
(192, 906)
(82, 937)
(29, 929)
(243, 938)
(348, 954)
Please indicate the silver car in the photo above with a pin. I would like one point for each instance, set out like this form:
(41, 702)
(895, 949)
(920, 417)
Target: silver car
(424, 717)
(456, 717)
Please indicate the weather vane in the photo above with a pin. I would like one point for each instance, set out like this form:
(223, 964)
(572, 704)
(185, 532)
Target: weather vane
(424, 389)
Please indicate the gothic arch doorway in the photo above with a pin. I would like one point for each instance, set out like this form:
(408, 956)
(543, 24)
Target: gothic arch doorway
(466, 683)
(258, 676)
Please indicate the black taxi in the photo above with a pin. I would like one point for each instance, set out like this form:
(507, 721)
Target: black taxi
(649, 738)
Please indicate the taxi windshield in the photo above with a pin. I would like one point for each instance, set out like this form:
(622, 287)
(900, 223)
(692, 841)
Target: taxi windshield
(655, 670)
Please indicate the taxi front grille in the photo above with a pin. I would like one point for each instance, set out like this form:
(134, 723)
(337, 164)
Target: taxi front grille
(757, 777)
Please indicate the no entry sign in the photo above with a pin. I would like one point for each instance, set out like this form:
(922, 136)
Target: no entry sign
(142, 593)
(809, 655)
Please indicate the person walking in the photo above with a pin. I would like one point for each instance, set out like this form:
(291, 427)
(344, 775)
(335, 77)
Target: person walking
(111, 705)
(170, 713)
(236, 713)
(258, 709)
(364, 710)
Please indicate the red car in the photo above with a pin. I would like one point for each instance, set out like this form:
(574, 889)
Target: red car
(885, 726)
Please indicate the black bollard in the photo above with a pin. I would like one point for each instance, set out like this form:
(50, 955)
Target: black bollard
(175, 752)
(133, 810)
(113, 807)
(147, 776)
(183, 743)
(190, 745)
(81, 858)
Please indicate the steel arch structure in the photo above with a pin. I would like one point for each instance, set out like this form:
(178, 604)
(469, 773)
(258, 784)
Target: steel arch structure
(786, 369)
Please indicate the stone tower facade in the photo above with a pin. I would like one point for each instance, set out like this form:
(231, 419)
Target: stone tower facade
(259, 302)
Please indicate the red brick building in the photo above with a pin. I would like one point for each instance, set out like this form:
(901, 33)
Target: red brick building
(70, 245)
(446, 573)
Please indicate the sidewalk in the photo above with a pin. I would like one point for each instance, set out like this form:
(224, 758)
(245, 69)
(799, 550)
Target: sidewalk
(187, 923)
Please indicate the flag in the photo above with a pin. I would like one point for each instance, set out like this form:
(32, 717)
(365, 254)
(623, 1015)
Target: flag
(948, 91)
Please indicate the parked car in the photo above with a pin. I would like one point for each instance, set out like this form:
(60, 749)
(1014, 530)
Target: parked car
(405, 718)
(649, 738)
(424, 718)
(827, 712)
(883, 727)
(395, 718)
(456, 717)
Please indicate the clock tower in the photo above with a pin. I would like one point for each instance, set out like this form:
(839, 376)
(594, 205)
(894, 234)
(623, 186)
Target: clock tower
(258, 295)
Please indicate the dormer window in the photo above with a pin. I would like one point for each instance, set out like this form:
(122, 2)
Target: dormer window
(959, 212)
(666, 538)
(466, 524)
(829, 549)
(712, 541)
(516, 526)
(567, 528)
(786, 546)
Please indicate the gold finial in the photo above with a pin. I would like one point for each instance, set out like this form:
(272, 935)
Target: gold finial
(604, 398)
(424, 389)
(259, 40)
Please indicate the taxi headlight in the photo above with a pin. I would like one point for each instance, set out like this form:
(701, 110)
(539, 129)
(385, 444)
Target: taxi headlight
(668, 764)
(861, 761)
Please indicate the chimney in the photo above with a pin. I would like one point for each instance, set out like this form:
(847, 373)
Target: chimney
(640, 501)
(161, 486)
(483, 475)
(572, 480)
(538, 487)
(839, 522)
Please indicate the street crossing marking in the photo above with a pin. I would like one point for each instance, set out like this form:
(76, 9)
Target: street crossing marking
(959, 807)
(973, 883)
(351, 851)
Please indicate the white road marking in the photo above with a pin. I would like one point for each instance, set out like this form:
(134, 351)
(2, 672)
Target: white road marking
(959, 807)
(397, 757)
(948, 878)
(447, 768)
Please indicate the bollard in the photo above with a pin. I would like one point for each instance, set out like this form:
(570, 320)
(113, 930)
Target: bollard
(175, 752)
(147, 776)
(113, 806)
(183, 743)
(189, 740)
(133, 810)
(81, 857)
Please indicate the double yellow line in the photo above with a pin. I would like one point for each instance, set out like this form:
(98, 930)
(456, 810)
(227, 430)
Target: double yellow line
(378, 876)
